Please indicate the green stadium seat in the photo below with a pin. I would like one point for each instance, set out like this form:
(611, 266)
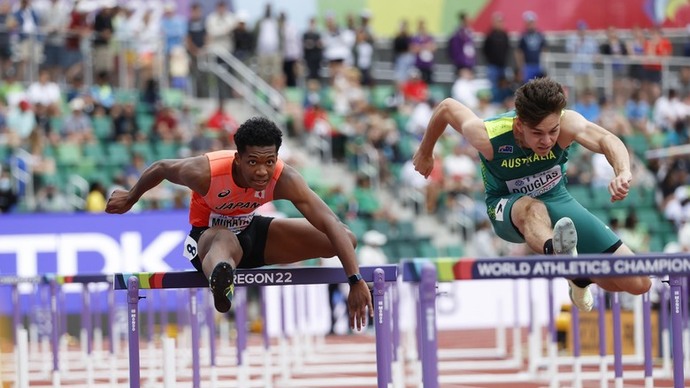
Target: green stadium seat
(166, 150)
(144, 149)
(118, 154)
(294, 95)
(102, 128)
(94, 152)
(173, 98)
(380, 94)
(68, 154)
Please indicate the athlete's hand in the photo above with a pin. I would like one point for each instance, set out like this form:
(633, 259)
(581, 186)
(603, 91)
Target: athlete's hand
(423, 163)
(620, 186)
(118, 202)
(358, 300)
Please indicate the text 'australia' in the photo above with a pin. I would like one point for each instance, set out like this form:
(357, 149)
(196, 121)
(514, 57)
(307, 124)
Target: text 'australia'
(517, 162)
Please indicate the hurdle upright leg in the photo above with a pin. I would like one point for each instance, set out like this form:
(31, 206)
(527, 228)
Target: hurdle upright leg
(677, 331)
(383, 332)
(427, 312)
(133, 332)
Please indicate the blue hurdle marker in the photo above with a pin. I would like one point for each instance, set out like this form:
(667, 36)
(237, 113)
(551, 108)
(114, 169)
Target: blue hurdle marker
(133, 282)
(673, 265)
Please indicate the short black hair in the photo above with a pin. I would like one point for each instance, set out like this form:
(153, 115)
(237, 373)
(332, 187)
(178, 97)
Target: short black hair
(258, 131)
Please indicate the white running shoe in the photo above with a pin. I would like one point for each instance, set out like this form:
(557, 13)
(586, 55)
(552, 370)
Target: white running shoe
(565, 243)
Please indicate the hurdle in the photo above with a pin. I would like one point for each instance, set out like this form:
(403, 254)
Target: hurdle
(672, 265)
(271, 276)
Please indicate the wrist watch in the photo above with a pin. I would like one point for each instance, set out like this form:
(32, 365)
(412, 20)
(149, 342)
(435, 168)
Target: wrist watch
(354, 279)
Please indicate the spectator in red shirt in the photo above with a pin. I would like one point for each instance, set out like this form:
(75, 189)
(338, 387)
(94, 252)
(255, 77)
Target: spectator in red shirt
(414, 90)
(656, 46)
(165, 125)
(222, 122)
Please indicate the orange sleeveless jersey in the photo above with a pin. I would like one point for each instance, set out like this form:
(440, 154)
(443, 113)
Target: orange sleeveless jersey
(226, 203)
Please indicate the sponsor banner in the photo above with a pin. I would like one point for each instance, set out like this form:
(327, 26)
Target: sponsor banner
(80, 243)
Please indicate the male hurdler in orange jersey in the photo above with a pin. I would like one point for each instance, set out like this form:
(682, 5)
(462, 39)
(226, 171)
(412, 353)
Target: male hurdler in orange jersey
(227, 187)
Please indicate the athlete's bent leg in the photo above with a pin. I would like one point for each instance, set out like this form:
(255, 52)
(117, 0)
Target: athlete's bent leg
(220, 253)
(635, 285)
(291, 240)
(532, 219)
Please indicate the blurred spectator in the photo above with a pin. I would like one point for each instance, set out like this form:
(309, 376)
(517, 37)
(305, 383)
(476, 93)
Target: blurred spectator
(173, 28)
(414, 90)
(460, 172)
(602, 172)
(613, 119)
(636, 48)
(669, 111)
(290, 44)
(8, 197)
(12, 89)
(77, 126)
(45, 92)
(366, 201)
(196, 43)
(338, 201)
(312, 47)
(50, 199)
(125, 126)
(465, 89)
(656, 46)
(29, 46)
(461, 49)
(336, 44)
(77, 29)
(21, 121)
(364, 58)
(497, 50)
(588, 105)
(179, 68)
(419, 118)
(165, 125)
(614, 46)
(371, 252)
(102, 92)
(532, 44)
(583, 47)
(424, 47)
(55, 20)
(133, 171)
(633, 234)
(637, 110)
(103, 53)
(148, 43)
(268, 44)
(222, 121)
(125, 24)
(95, 199)
(403, 58)
(243, 39)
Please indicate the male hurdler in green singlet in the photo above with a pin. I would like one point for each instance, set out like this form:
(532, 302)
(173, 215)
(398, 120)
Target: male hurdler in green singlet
(523, 155)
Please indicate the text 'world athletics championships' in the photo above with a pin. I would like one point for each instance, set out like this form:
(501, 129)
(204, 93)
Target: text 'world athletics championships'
(590, 267)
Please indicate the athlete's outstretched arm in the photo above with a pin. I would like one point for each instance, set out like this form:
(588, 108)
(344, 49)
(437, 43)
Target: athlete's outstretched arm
(597, 139)
(293, 187)
(463, 120)
(193, 173)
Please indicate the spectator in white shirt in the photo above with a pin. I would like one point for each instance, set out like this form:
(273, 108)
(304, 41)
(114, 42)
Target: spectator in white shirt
(45, 92)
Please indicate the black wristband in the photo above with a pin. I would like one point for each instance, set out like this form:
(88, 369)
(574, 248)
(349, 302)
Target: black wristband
(354, 279)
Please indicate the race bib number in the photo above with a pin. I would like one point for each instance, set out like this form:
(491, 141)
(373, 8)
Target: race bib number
(501, 209)
(235, 224)
(190, 248)
(537, 184)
